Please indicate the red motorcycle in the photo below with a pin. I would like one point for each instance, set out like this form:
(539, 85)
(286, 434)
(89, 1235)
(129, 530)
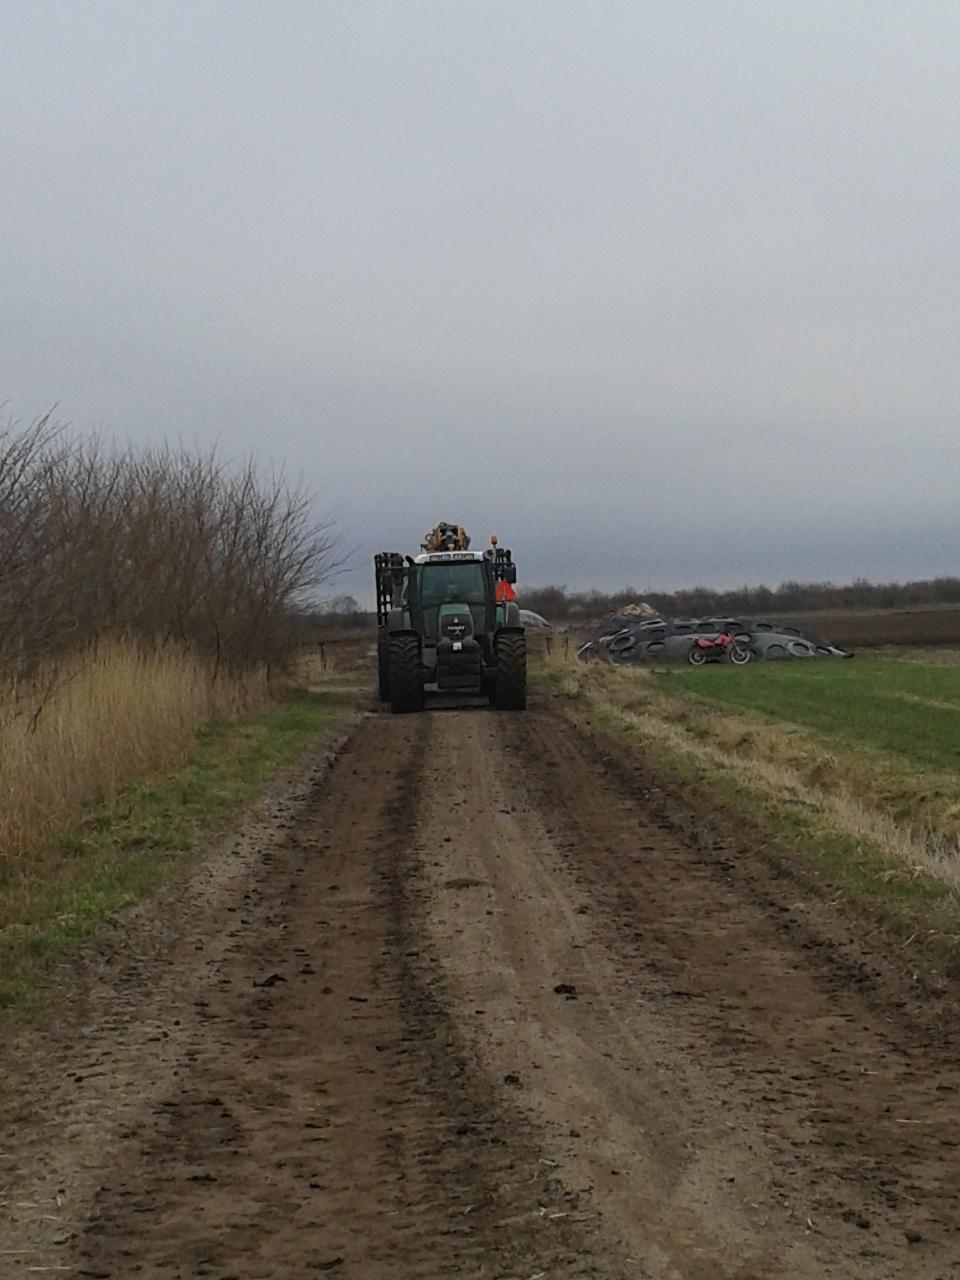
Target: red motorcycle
(718, 649)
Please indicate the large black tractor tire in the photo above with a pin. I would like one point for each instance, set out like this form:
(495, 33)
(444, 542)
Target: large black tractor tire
(510, 681)
(406, 685)
(383, 666)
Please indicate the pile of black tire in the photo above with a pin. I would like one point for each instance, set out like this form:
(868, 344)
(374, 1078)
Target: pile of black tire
(628, 639)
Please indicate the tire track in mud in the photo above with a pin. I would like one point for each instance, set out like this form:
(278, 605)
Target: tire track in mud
(489, 1003)
(322, 1115)
(517, 935)
(846, 1105)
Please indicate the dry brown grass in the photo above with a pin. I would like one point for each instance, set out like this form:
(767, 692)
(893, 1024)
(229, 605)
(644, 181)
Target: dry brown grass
(909, 816)
(77, 731)
(835, 799)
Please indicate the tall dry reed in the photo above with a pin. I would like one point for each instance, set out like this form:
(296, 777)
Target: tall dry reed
(79, 728)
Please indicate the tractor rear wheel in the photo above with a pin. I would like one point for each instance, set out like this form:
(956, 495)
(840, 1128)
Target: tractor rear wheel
(406, 686)
(510, 682)
(383, 666)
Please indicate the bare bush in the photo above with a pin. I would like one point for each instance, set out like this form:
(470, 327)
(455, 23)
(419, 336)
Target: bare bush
(166, 545)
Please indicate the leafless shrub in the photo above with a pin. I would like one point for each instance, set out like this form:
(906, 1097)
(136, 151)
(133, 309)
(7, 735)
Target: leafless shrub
(167, 545)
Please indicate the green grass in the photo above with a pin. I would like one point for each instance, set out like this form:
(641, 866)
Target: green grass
(117, 854)
(903, 709)
(850, 768)
(918, 908)
(863, 868)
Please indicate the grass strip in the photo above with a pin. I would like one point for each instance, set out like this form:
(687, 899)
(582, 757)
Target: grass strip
(121, 851)
(903, 709)
(850, 839)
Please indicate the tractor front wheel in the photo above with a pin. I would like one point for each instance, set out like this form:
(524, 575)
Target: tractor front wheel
(406, 685)
(510, 686)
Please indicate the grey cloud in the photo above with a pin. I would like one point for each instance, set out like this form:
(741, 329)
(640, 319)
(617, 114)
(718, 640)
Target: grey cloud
(606, 278)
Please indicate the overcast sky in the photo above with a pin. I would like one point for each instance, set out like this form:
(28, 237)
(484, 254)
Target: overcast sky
(661, 292)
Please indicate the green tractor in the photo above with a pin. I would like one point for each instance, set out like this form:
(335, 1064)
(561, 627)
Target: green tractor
(447, 621)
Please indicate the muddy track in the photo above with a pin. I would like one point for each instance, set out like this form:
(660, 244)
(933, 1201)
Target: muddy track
(482, 1001)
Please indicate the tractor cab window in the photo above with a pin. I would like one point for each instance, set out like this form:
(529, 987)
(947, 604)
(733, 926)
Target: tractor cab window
(461, 583)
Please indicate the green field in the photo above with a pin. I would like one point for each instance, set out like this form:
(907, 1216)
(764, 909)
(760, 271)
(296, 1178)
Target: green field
(904, 709)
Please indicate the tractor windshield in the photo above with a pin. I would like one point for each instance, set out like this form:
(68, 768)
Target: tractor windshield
(453, 584)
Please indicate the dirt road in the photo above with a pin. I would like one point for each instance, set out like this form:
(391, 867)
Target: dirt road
(481, 1001)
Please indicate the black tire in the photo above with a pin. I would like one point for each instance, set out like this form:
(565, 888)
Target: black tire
(406, 686)
(383, 666)
(510, 682)
(740, 654)
(697, 656)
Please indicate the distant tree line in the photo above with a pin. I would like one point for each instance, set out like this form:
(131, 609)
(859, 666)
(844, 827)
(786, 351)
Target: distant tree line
(557, 604)
(338, 613)
(162, 545)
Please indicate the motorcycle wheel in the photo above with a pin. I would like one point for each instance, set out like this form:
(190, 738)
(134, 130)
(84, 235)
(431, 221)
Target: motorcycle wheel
(740, 655)
(697, 657)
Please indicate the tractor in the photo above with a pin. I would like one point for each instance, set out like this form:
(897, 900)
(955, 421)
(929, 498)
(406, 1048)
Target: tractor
(447, 621)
